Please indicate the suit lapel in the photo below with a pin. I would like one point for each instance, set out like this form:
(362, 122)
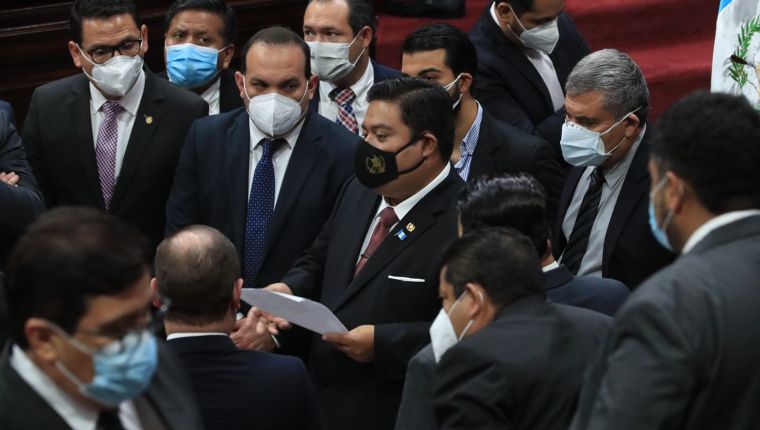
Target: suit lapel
(484, 158)
(79, 106)
(422, 216)
(635, 187)
(305, 155)
(237, 164)
(147, 119)
(556, 277)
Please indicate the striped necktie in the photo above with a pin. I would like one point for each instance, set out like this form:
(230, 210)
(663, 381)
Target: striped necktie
(576, 245)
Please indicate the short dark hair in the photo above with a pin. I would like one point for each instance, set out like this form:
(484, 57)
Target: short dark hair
(502, 260)
(461, 55)
(516, 201)
(519, 6)
(217, 7)
(279, 36)
(99, 9)
(361, 13)
(196, 268)
(712, 141)
(68, 256)
(424, 106)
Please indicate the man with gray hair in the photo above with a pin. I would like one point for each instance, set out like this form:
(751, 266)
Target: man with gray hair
(602, 228)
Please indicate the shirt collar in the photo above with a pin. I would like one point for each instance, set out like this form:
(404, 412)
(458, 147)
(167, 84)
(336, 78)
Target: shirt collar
(181, 335)
(211, 95)
(75, 415)
(549, 267)
(291, 138)
(470, 140)
(360, 87)
(714, 224)
(404, 207)
(131, 100)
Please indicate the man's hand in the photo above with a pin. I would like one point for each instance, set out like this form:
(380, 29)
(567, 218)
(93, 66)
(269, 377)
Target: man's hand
(279, 288)
(10, 178)
(254, 332)
(358, 343)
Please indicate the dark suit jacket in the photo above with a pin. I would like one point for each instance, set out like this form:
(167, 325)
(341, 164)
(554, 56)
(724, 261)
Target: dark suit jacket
(590, 292)
(59, 144)
(216, 158)
(683, 351)
(238, 389)
(169, 394)
(503, 148)
(631, 253)
(366, 395)
(229, 95)
(5, 106)
(19, 204)
(523, 371)
(510, 87)
(381, 73)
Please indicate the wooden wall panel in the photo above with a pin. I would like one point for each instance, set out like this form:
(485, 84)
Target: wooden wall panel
(34, 34)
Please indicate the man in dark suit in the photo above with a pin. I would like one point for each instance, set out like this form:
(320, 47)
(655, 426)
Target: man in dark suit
(199, 38)
(82, 352)
(526, 49)
(602, 227)
(372, 264)
(484, 144)
(341, 35)
(496, 339)
(683, 352)
(20, 198)
(226, 152)
(197, 271)
(110, 137)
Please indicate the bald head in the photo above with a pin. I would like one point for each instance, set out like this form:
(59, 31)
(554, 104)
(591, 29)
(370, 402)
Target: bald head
(196, 268)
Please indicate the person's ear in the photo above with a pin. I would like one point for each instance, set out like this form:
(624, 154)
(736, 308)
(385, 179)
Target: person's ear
(475, 292)
(156, 297)
(41, 339)
(429, 144)
(632, 123)
(504, 12)
(675, 192)
(227, 55)
(236, 295)
(239, 81)
(465, 83)
(76, 54)
(313, 84)
(365, 36)
(144, 44)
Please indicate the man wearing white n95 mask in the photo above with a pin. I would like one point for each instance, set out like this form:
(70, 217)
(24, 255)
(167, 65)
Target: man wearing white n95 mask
(265, 175)
(602, 224)
(341, 34)
(506, 358)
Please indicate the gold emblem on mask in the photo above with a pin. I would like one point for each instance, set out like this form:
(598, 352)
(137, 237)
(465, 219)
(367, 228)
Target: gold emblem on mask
(375, 165)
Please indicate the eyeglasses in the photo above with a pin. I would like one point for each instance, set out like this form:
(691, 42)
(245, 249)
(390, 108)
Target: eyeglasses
(102, 54)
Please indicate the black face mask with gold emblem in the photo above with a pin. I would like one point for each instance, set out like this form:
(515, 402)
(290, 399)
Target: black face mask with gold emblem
(374, 167)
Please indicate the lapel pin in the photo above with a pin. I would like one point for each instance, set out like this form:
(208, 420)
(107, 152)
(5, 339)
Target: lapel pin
(148, 119)
(410, 227)
(401, 235)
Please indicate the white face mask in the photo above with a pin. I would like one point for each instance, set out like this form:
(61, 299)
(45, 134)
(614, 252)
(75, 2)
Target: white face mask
(450, 86)
(274, 114)
(582, 147)
(542, 37)
(442, 333)
(330, 61)
(117, 76)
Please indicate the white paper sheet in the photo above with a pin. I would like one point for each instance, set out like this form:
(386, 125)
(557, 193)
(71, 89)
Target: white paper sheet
(298, 310)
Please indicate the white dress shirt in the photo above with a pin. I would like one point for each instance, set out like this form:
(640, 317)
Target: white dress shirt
(549, 267)
(714, 224)
(70, 410)
(211, 95)
(544, 66)
(124, 120)
(182, 335)
(280, 159)
(404, 207)
(328, 108)
(613, 183)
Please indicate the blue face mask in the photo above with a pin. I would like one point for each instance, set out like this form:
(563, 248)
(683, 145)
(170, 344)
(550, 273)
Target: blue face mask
(123, 369)
(659, 233)
(191, 66)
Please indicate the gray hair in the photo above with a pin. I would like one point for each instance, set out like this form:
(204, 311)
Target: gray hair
(617, 77)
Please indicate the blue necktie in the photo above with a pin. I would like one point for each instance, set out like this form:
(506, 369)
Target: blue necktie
(260, 208)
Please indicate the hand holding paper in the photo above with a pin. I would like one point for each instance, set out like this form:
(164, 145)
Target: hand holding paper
(298, 310)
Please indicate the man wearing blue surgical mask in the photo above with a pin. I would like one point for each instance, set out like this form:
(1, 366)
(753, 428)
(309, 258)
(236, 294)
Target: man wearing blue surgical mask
(526, 50)
(83, 353)
(602, 227)
(199, 43)
(341, 36)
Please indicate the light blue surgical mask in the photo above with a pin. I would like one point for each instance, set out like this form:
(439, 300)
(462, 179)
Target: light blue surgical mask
(123, 369)
(582, 147)
(660, 232)
(191, 66)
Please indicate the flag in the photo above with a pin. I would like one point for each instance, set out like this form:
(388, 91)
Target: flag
(737, 33)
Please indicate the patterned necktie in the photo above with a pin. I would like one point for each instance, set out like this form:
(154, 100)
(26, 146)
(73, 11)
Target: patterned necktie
(346, 116)
(260, 208)
(387, 219)
(105, 150)
(109, 420)
(576, 245)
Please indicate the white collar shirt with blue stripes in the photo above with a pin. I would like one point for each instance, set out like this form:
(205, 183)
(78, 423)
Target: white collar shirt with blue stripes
(467, 147)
